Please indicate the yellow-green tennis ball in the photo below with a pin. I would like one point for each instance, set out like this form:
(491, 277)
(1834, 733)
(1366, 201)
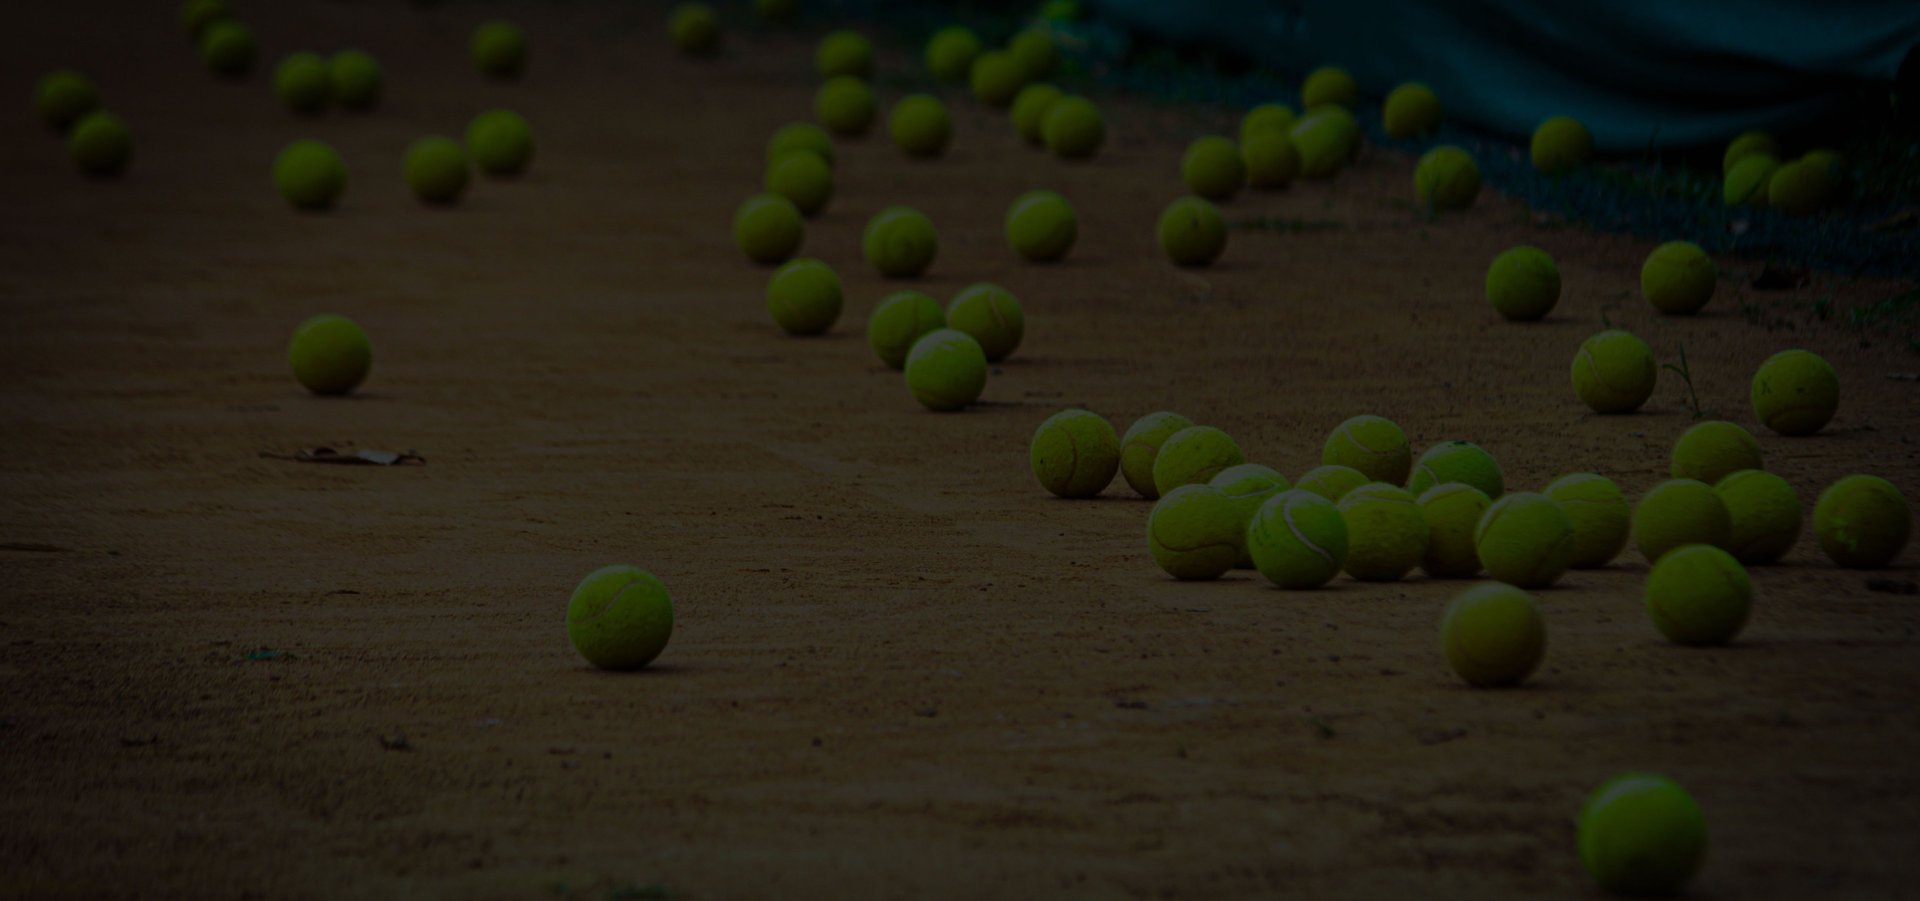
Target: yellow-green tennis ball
(1041, 226)
(228, 49)
(768, 229)
(196, 16)
(1386, 532)
(1073, 128)
(1453, 511)
(1678, 278)
(303, 83)
(1412, 110)
(1271, 160)
(776, 10)
(1746, 184)
(950, 53)
(900, 242)
(499, 49)
(1804, 187)
(1374, 445)
(844, 53)
(1140, 447)
(620, 617)
(1297, 539)
(899, 321)
(1074, 453)
(329, 355)
(1036, 53)
(920, 125)
(803, 297)
(1862, 521)
(1525, 539)
(437, 170)
(1745, 145)
(1328, 86)
(356, 79)
(100, 144)
(1331, 481)
(845, 105)
(1599, 513)
(1248, 486)
(309, 175)
(946, 370)
(1829, 161)
(1640, 834)
(1795, 392)
(802, 178)
(1710, 450)
(1193, 456)
(1457, 461)
(1493, 635)
(1698, 594)
(1614, 372)
(996, 76)
(1678, 513)
(1212, 168)
(1326, 138)
(1523, 284)
(1765, 514)
(1560, 145)
(800, 136)
(1446, 178)
(992, 315)
(1194, 533)
(1267, 118)
(1192, 232)
(501, 142)
(63, 97)
(695, 29)
(1029, 113)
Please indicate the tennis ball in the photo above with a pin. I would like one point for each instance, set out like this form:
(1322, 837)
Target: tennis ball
(227, 48)
(1192, 456)
(1764, 513)
(768, 228)
(845, 105)
(1457, 461)
(776, 10)
(1297, 539)
(1677, 513)
(620, 617)
(1828, 161)
(329, 355)
(1599, 514)
(1561, 145)
(1386, 532)
(950, 53)
(1041, 227)
(1795, 392)
(1328, 86)
(499, 49)
(501, 142)
(1192, 232)
(1331, 481)
(801, 178)
(1248, 485)
(996, 77)
(1140, 447)
(1803, 187)
(1030, 108)
(1698, 594)
(1034, 50)
(844, 53)
(1194, 533)
(197, 15)
(1862, 522)
(900, 242)
(1707, 452)
(1073, 129)
(1074, 453)
(1746, 183)
(1523, 284)
(898, 322)
(1267, 118)
(1412, 110)
(1640, 834)
(1373, 445)
(1678, 278)
(356, 79)
(1525, 539)
(309, 175)
(695, 29)
(1493, 635)
(63, 97)
(1446, 179)
(1614, 372)
(920, 126)
(437, 170)
(1326, 139)
(991, 315)
(1212, 168)
(100, 144)
(303, 82)
(800, 136)
(1271, 160)
(946, 370)
(1453, 512)
(1745, 145)
(803, 296)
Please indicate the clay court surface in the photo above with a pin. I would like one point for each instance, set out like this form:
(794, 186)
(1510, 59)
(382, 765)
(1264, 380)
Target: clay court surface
(900, 669)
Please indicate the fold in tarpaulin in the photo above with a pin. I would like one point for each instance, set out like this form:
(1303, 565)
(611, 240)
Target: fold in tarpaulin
(1639, 73)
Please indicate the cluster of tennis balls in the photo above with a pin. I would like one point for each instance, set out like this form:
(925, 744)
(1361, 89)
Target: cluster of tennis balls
(308, 83)
(97, 141)
(1755, 175)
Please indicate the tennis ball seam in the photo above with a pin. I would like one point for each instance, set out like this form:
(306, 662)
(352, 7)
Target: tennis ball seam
(1286, 516)
(613, 600)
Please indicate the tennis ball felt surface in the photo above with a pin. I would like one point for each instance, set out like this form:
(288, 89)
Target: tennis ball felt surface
(800, 136)
(1073, 128)
(1452, 511)
(501, 142)
(1641, 834)
(1140, 447)
(1600, 516)
(898, 322)
(1331, 481)
(1525, 539)
(356, 79)
(197, 15)
(1193, 455)
(1614, 372)
(1194, 532)
(1074, 453)
(309, 175)
(1041, 226)
(1746, 183)
(1271, 160)
(1677, 513)
(1411, 110)
(845, 105)
(1523, 284)
(1749, 143)
(1711, 450)
(992, 315)
(1493, 635)
(499, 49)
(303, 82)
(946, 370)
(1267, 118)
(1035, 51)
(695, 29)
(1326, 139)
(1029, 112)
(920, 125)
(803, 297)
(100, 144)
(620, 617)
(1764, 513)
(768, 229)
(844, 52)
(1560, 145)
(950, 53)
(1328, 86)
(62, 97)
(1192, 232)
(1803, 187)
(1374, 445)
(329, 355)
(1678, 278)
(996, 77)
(1697, 594)
(1446, 178)
(1862, 521)
(1297, 540)
(436, 170)
(1457, 461)
(1248, 485)
(1212, 168)
(228, 49)
(801, 178)
(1795, 392)
(900, 242)
(1387, 533)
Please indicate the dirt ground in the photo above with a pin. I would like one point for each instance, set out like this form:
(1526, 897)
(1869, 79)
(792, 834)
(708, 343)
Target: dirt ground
(900, 668)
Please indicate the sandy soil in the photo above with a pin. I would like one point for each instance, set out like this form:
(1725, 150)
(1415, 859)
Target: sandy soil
(901, 669)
